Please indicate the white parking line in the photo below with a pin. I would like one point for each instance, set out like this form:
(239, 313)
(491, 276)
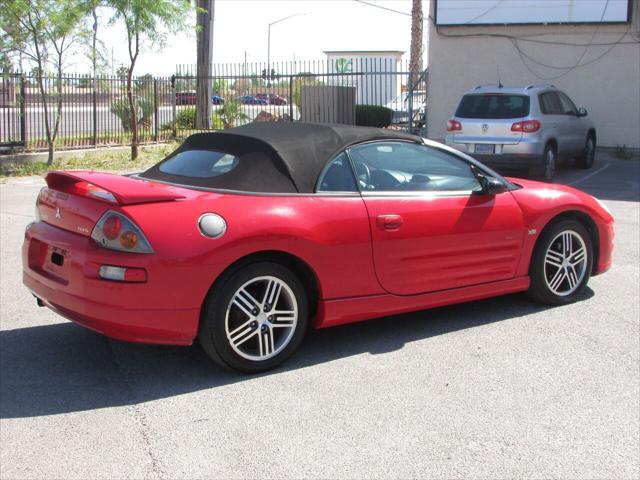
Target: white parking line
(580, 180)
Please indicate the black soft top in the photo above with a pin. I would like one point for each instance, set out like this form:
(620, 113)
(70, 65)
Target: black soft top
(276, 157)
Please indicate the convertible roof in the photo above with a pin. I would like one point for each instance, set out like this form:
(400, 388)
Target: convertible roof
(297, 150)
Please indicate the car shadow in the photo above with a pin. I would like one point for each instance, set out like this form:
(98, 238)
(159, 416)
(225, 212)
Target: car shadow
(62, 368)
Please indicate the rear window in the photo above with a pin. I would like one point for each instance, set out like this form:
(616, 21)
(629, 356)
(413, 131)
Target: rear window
(493, 106)
(199, 164)
(224, 161)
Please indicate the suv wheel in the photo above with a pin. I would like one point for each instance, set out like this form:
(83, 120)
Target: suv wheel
(549, 165)
(587, 158)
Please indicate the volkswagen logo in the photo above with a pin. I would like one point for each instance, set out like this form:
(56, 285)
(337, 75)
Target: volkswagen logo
(58, 212)
(485, 127)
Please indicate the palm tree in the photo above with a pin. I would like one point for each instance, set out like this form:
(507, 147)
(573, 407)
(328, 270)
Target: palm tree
(204, 17)
(415, 61)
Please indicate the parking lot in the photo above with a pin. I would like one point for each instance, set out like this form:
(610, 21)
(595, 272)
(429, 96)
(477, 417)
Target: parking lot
(496, 388)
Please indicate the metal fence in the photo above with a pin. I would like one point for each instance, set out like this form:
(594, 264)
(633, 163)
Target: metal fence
(95, 112)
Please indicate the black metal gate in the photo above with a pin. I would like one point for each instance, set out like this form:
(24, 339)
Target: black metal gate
(12, 112)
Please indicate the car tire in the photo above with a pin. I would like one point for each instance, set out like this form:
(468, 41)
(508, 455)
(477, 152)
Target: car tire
(550, 162)
(561, 263)
(587, 159)
(254, 318)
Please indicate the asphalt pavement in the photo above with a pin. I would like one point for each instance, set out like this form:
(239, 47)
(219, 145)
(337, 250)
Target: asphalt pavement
(500, 388)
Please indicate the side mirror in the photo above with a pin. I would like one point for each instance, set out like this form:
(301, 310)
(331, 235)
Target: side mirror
(582, 112)
(491, 186)
(488, 185)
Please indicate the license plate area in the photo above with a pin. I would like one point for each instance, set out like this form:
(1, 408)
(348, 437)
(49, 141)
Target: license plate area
(50, 261)
(485, 148)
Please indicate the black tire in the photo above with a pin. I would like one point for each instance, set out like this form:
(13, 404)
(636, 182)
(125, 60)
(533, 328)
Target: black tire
(543, 274)
(586, 160)
(550, 163)
(213, 335)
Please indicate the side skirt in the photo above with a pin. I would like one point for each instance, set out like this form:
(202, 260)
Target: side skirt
(350, 310)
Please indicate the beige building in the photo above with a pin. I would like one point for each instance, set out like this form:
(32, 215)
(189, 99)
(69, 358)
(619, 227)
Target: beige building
(606, 81)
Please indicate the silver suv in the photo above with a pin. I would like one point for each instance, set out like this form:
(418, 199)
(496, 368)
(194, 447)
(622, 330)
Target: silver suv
(530, 127)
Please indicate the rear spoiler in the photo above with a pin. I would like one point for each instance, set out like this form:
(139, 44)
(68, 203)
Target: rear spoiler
(110, 187)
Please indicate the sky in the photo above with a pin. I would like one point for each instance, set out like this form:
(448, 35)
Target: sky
(241, 26)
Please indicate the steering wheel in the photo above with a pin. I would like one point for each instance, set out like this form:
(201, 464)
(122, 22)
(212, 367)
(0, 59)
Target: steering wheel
(364, 175)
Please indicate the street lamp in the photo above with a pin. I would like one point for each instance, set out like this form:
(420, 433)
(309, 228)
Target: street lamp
(269, 42)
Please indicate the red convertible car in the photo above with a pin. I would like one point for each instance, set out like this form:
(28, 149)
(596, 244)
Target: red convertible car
(245, 238)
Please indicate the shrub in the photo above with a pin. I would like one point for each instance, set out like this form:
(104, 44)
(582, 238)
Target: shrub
(231, 113)
(144, 112)
(186, 120)
(373, 116)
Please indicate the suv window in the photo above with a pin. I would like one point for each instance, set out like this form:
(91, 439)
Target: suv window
(568, 107)
(493, 105)
(550, 104)
(338, 176)
(402, 166)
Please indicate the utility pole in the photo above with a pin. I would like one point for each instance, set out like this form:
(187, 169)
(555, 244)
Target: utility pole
(204, 17)
(269, 79)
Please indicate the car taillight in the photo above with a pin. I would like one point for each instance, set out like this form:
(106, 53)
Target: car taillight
(454, 126)
(112, 227)
(526, 126)
(117, 232)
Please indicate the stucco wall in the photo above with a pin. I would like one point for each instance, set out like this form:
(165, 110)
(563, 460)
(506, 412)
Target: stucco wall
(609, 87)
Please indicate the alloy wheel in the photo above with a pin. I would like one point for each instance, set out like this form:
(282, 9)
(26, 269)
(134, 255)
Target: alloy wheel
(565, 263)
(261, 318)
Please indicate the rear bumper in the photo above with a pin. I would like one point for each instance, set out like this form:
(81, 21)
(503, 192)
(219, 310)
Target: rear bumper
(528, 153)
(511, 161)
(135, 312)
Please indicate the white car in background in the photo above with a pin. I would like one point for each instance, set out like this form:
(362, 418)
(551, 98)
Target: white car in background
(400, 107)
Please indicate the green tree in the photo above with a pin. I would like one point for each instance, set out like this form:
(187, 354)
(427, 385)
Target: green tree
(44, 31)
(148, 20)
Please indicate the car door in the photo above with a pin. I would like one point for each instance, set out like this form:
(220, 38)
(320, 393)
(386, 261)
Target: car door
(430, 228)
(576, 131)
(552, 108)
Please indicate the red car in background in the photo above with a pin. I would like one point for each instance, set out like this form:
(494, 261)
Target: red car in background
(186, 98)
(243, 239)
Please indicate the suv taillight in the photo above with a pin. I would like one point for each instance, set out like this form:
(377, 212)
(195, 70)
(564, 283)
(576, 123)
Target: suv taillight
(454, 126)
(117, 232)
(526, 126)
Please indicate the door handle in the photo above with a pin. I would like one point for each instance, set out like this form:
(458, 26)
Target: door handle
(390, 222)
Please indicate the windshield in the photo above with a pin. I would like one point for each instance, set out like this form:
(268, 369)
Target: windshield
(493, 105)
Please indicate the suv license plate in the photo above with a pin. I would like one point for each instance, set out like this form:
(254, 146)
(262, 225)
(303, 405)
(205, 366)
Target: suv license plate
(485, 148)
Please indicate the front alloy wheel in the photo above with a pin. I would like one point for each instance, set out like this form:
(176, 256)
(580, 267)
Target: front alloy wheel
(254, 318)
(561, 263)
(565, 263)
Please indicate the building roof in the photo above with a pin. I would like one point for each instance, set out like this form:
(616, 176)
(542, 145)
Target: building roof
(278, 157)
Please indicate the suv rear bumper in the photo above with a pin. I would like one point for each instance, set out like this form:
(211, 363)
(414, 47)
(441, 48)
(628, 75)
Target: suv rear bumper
(525, 154)
(512, 160)
(125, 311)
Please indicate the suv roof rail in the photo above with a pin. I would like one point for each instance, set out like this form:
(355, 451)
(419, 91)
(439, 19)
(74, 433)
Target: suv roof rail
(488, 85)
(529, 87)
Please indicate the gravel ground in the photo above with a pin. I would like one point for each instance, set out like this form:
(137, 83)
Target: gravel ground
(497, 388)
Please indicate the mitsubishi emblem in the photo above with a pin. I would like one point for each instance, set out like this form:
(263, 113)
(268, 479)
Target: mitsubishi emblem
(485, 127)
(58, 212)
